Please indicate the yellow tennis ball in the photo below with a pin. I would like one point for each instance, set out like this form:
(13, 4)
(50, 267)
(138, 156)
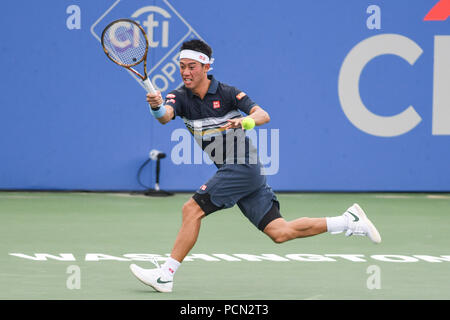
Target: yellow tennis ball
(248, 123)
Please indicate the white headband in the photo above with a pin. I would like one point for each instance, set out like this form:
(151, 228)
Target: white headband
(195, 55)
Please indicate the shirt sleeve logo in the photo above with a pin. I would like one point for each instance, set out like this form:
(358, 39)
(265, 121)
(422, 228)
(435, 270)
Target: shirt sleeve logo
(170, 96)
(216, 104)
(241, 95)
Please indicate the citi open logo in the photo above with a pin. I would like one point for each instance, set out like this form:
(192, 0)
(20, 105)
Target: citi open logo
(166, 30)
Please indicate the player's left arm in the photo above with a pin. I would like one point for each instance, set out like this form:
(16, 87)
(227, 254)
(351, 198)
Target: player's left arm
(259, 115)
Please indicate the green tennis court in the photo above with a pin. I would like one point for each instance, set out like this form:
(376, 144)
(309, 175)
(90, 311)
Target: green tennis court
(80, 246)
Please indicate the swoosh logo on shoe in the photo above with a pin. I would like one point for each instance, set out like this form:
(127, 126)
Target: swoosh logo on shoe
(354, 216)
(161, 281)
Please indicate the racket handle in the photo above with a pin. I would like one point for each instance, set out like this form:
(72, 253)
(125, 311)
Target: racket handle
(148, 86)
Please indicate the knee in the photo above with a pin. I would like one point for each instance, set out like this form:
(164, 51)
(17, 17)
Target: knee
(278, 230)
(279, 235)
(191, 211)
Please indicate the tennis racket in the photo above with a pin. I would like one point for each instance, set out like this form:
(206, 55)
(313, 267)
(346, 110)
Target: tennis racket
(125, 43)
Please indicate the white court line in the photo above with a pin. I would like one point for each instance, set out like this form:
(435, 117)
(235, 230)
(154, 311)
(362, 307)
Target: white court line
(317, 296)
(20, 197)
(401, 196)
(394, 196)
(125, 195)
(437, 196)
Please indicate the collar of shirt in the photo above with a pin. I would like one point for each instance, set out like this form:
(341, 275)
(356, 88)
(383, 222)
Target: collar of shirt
(212, 86)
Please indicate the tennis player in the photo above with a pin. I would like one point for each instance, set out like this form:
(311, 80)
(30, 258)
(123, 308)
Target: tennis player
(211, 110)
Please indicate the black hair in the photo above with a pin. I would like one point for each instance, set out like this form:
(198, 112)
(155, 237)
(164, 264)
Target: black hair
(197, 45)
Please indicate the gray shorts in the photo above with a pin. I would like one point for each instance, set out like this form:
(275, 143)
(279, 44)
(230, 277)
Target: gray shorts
(241, 184)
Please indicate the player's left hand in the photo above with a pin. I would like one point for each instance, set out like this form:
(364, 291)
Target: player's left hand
(233, 124)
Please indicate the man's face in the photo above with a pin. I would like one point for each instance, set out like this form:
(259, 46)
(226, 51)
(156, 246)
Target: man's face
(192, 72)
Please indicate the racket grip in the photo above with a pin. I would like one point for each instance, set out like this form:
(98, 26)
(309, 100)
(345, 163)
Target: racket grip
(148, 86)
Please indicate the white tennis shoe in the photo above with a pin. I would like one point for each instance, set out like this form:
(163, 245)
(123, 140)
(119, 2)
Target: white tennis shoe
(360, 225)
(154, 278)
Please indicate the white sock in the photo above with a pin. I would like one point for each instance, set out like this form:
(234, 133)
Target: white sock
(170, 266)
(337, 224)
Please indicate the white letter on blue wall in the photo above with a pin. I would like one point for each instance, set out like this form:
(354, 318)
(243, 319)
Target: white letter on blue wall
(348, 85)
(441, 91)
(74, 20)
(374, 21)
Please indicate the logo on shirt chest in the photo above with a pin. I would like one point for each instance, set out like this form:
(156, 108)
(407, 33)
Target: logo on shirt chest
(216, 104)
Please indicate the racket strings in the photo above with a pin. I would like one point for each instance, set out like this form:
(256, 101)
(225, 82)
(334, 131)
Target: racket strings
(125, 43)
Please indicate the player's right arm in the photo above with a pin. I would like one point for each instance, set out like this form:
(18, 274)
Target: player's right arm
(155, 100)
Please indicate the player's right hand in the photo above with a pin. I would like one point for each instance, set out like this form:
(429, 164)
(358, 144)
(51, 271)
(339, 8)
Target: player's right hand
(154, 99)
(233, 124)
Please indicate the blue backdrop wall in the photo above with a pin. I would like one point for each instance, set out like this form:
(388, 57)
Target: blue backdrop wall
(357, 91)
